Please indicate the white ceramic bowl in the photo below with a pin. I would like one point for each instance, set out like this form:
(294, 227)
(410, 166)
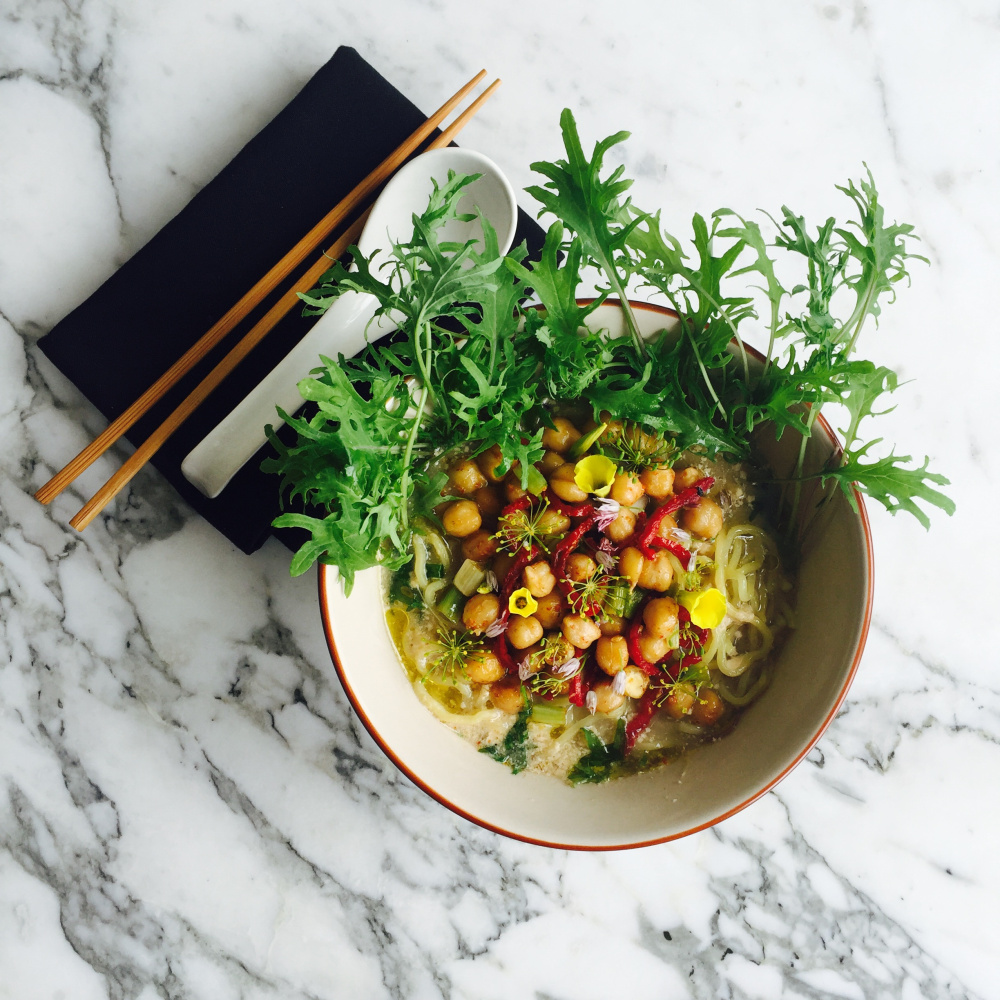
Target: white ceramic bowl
(815, 669)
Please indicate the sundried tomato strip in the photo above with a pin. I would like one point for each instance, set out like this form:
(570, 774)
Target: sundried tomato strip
(686, 498)
(639, 722)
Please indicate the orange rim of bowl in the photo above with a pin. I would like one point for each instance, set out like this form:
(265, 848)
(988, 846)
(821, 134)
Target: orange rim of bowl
(836, 448)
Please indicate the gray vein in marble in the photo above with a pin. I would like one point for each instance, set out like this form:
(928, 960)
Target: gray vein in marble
(784, 918)
(84, 63)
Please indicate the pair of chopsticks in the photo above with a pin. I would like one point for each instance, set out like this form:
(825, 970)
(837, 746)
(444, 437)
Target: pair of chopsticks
(358, 200)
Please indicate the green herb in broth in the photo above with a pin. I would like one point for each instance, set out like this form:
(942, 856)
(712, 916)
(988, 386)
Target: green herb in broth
(515, 749)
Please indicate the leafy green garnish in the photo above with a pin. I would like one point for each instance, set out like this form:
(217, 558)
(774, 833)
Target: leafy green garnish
(347, 459)
(602, 760)
(592, 207)
(474, 365)
(516, 746)
(889, 481)
(402, 591)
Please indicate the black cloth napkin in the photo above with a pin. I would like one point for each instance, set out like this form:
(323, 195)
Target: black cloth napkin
(344, 122)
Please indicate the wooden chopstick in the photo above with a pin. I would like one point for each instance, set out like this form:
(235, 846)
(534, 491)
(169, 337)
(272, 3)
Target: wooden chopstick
(309, 243)
(200, 393)
(212, 380)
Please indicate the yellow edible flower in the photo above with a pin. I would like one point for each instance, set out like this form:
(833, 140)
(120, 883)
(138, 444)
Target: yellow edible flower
(707, 608)
(522, 603)
(595, 474)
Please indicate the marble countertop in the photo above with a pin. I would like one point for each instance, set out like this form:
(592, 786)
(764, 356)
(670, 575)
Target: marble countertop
(189, 809)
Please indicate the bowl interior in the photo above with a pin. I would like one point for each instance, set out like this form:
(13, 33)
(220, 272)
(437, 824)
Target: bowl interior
(814, 670)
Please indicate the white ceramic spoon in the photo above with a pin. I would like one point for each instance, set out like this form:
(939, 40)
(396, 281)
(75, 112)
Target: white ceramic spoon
(346, 326)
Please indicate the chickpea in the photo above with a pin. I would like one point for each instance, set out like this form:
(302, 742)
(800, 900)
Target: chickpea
(549, 462)
(657, 573)
(658, 483)
(465, 477)
(512, 486)
(480, 612)
(488, 501)
(580, 567)
(708, 708)
(461, 518)
(680, 701)
(483, 667)
(630, 565)
(479, 546)
(615, 428)
(530, 660)
(666, 527)
(626, 488)
(488, 462)
(553, 522)
(524, 632)
(686, 478)
(538, 578)
(612, 625)
(705, 520)
(653, 647)
(636, 682)
(558, 650)
(660, 616)
(561, 437)
(612, 654)
(607, 698)
(580, 631)
(506, 694)
(562, 483)
(622, 526)
(550, 609)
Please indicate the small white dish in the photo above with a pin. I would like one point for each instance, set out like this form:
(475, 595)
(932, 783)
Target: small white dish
(814, 671)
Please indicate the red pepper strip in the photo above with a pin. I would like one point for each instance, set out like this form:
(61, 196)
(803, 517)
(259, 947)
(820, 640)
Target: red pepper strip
(686, 498)
(522, 504)
(569, 509)
(502, 653)
(562, 551)
(684, 556)
(577, 695)
(632, 640)
(671, 545)
(639, 722)
(523, 557)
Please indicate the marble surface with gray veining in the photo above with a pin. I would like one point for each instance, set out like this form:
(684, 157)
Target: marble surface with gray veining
(189, 809)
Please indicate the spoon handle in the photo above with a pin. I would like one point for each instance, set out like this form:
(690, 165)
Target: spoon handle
(342, 329)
